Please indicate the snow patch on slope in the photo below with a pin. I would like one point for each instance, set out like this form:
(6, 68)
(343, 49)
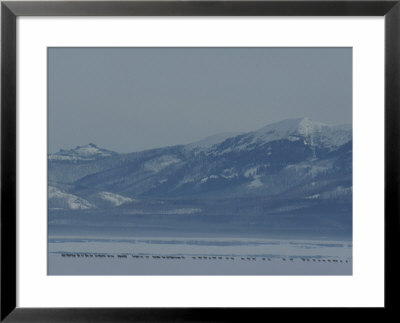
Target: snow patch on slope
(251, 172)
(338, 192)
(62, 200)
(115, 199)
(158, 164)
(206, 179)
(256, 182)
(185, 180)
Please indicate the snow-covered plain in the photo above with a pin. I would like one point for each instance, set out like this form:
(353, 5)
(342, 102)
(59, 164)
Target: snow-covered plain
(197, 256)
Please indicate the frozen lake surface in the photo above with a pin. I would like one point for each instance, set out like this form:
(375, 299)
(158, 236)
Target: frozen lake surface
(197, 256)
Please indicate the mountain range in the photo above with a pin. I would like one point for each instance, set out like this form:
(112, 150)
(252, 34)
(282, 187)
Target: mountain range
(290, 177)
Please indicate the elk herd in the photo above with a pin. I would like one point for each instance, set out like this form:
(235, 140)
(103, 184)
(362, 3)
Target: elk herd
(179, 257)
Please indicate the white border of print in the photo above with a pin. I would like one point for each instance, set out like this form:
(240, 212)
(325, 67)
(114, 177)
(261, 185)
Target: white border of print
(364, 288)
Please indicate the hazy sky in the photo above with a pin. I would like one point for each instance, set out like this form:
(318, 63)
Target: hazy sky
(130, 99)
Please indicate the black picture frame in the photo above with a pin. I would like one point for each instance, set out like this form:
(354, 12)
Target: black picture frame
(10, 10)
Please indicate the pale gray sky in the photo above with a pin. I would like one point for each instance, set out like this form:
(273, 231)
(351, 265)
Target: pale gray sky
(131, 99)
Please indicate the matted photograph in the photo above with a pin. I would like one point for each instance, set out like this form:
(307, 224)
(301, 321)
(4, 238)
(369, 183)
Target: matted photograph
(200, 161)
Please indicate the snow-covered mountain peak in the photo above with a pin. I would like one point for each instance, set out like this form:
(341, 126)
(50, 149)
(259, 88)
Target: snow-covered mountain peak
(306, 126)
(285, 128)
(312, 132)
(91, 150)
(86, 152)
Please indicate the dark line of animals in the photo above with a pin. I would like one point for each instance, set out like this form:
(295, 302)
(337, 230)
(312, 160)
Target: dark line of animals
(90, 255)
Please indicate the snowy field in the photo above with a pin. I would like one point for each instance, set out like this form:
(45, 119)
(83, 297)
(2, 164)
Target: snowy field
(197, 256)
